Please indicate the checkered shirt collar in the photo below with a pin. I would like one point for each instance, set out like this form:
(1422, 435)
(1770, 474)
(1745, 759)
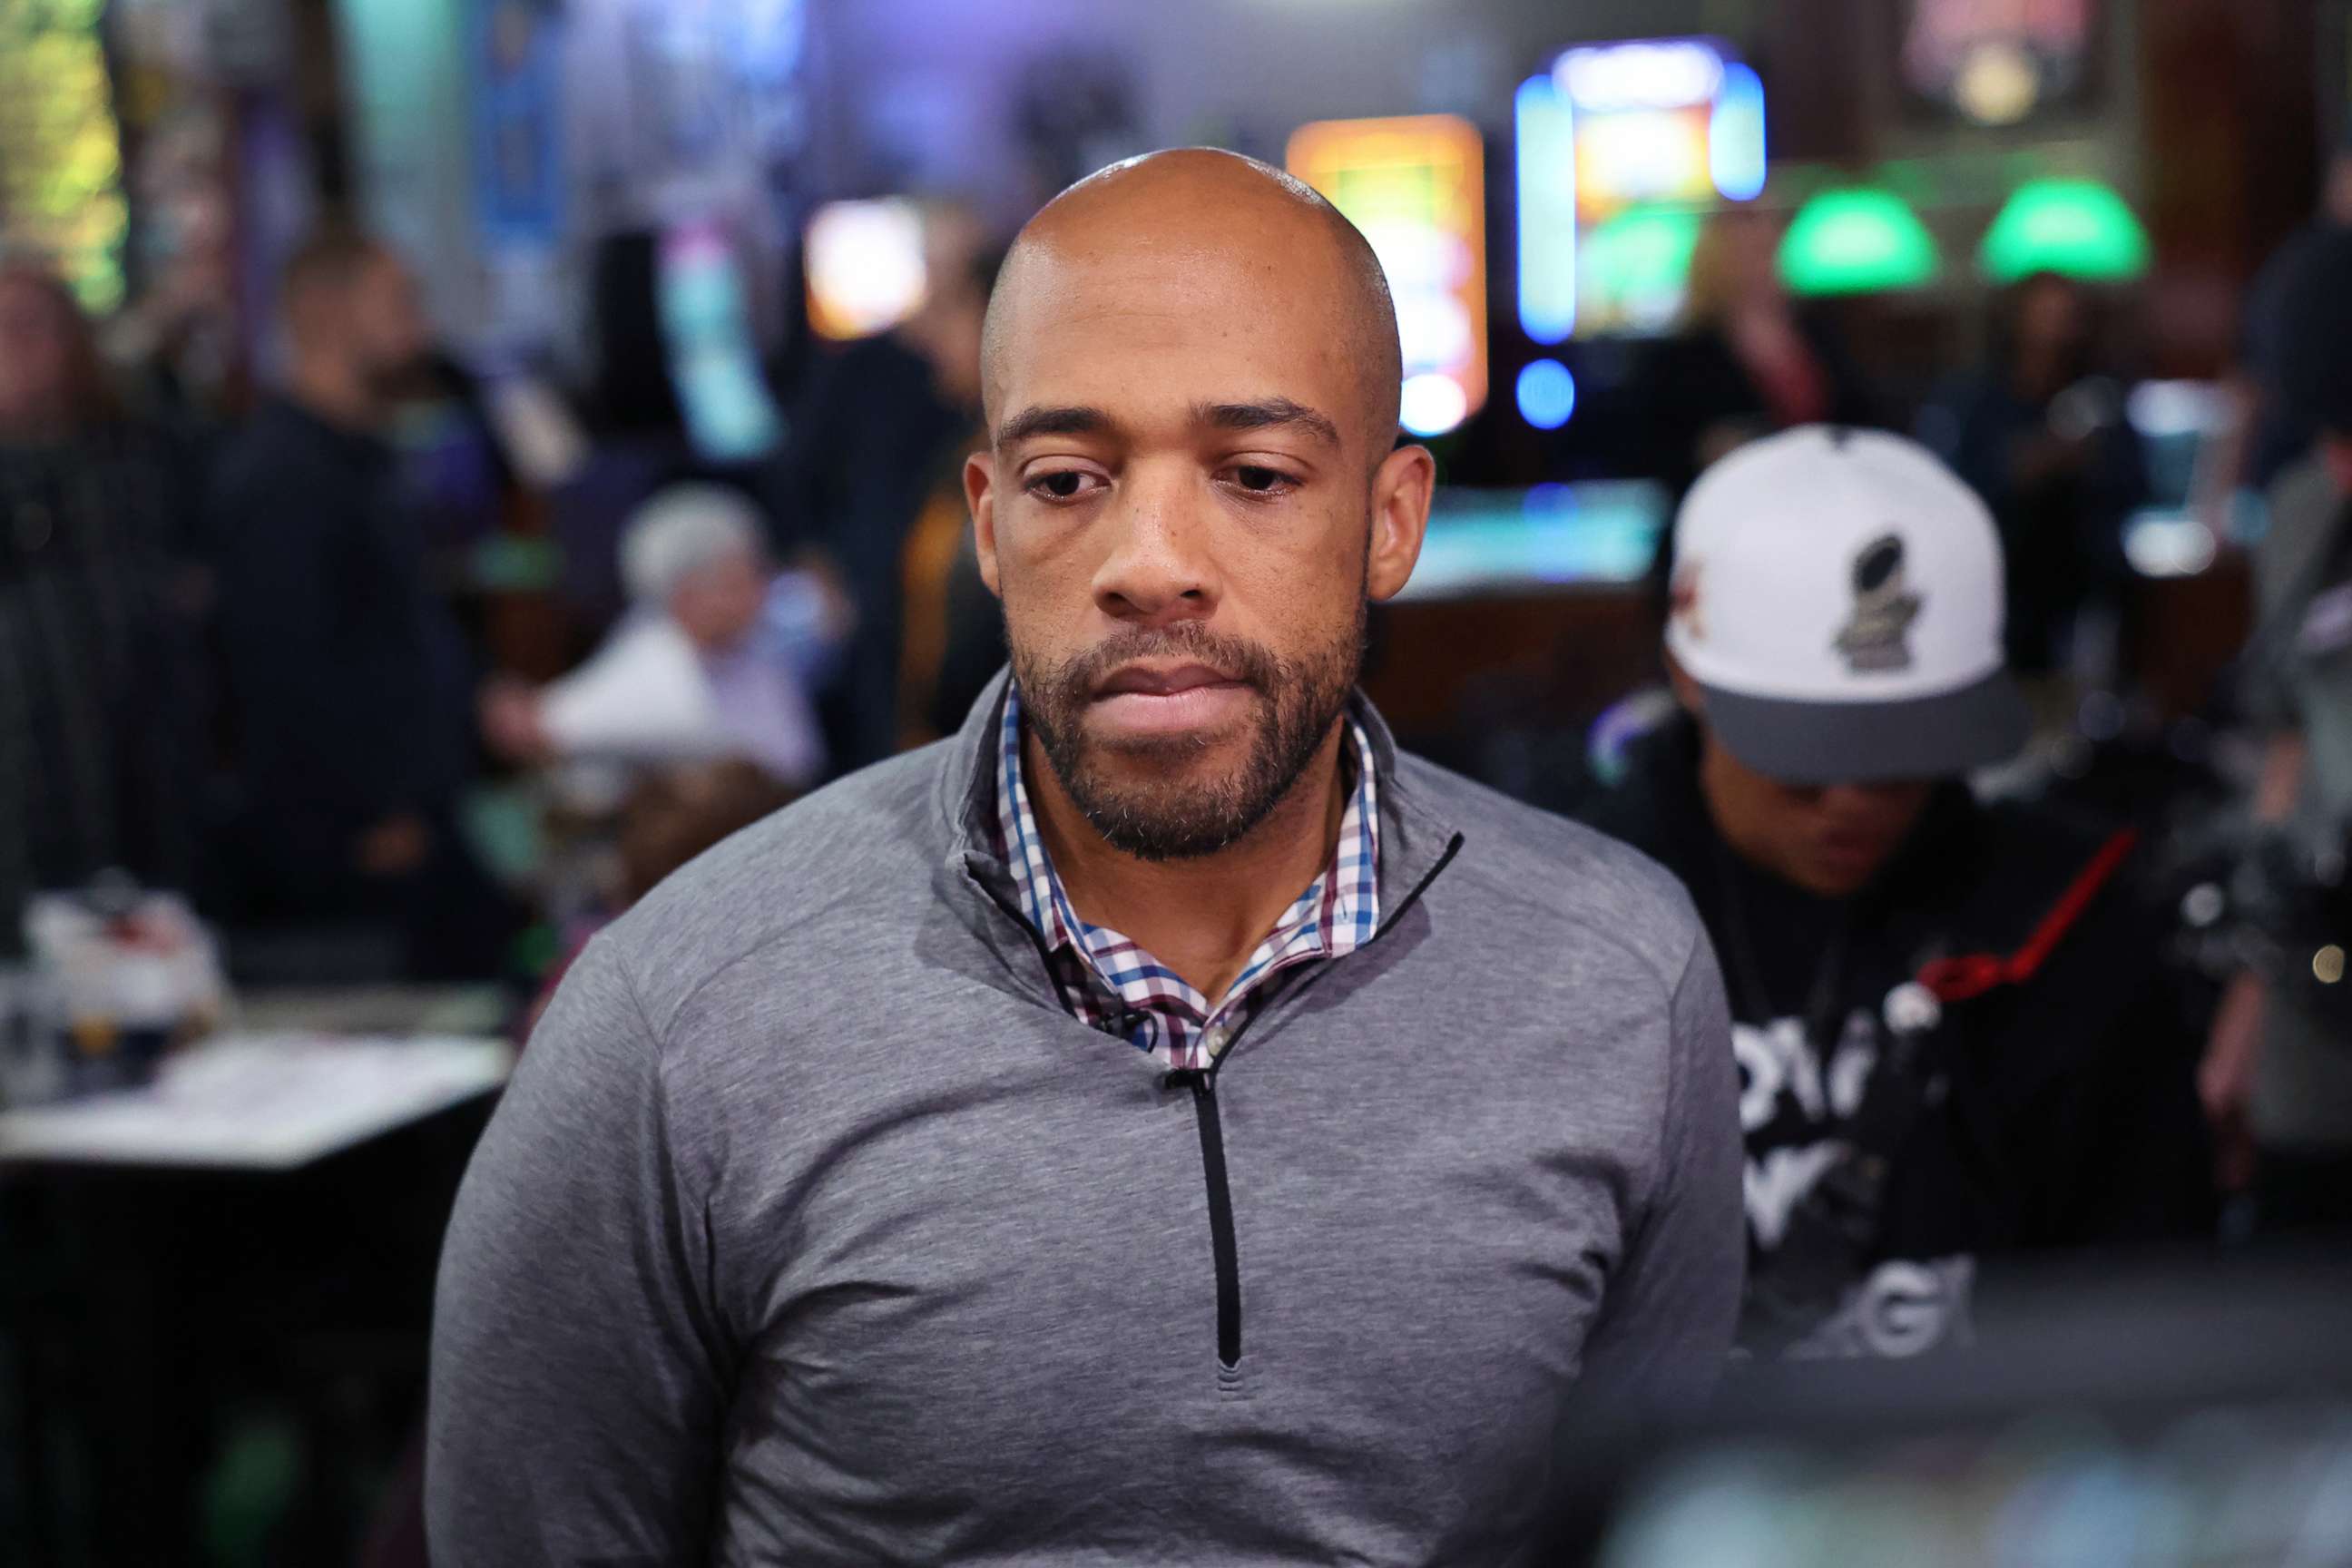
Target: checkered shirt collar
(1338, 913)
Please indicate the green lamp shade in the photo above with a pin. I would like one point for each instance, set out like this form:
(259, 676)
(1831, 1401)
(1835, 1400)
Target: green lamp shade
(2078, 228)
(1856, 242)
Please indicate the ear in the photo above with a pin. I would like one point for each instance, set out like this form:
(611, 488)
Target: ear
(1402, 488)
(980, 494)
(1687, 691)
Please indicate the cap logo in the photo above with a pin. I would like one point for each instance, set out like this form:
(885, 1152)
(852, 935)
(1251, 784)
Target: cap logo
(1878, 639)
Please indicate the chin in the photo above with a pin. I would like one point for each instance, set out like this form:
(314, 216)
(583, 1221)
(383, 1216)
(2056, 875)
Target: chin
(1179, 750)
(1840, 880)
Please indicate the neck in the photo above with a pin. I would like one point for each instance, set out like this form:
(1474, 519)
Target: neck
(330, 389)
(1201, 917)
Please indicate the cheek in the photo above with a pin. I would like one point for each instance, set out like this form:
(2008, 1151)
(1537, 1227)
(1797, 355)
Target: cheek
(1046, 605)
(1305, 567)
(1042, 568)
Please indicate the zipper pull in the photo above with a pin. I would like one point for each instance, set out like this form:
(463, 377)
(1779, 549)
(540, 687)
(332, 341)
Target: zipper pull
(1194, 1078)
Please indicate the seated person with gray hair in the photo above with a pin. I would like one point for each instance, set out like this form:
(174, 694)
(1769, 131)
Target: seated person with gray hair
(716, 658)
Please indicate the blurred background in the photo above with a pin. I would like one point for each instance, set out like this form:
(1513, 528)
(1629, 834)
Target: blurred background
(458, 458)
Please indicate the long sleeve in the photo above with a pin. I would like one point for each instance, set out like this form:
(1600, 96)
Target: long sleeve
(643, 695)
(1674, 1303)
(579, 1379)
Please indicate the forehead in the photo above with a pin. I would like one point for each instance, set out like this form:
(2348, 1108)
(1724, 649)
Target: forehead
(1143, 330)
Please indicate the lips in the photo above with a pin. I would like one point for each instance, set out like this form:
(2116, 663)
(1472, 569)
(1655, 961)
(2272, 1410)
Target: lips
(1144, 703)
(1171, 680)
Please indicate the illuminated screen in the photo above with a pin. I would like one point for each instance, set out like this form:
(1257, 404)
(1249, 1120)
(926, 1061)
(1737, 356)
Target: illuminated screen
(1416, 188)
(865, 263)
(1643, 155)
(1623, 149)
(61, 196)
(707, 326)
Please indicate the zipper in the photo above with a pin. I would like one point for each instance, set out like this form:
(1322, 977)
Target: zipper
(1203, 1085)
(1202, 1082)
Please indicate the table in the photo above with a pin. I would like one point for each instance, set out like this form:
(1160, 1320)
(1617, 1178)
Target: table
(261, 1103)
(258, 1226)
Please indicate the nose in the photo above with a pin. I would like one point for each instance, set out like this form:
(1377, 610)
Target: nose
(1864, 802)
(1159, 569)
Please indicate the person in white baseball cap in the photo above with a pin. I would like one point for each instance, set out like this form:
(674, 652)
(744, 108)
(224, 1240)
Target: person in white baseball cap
(1837, 599)
(1951, 1043)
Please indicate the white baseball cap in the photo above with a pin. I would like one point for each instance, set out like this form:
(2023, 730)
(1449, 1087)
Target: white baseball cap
(1838, 597)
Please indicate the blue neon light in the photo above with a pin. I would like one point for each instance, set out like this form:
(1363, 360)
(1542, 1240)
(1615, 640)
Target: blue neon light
(1735, 135)
(1546, 135)
(1546, 394)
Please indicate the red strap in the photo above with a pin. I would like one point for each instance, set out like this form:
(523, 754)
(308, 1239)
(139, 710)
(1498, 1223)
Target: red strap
(1974, 974)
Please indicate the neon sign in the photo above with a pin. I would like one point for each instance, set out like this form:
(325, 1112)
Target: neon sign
(60, 146)
(1416, 187)
(1621, 148)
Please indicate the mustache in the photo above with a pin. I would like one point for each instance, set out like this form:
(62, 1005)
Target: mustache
(1245, 661)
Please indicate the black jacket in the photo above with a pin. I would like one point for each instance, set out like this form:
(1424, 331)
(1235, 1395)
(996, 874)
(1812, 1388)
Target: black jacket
(348, 674)
(2058, 1112)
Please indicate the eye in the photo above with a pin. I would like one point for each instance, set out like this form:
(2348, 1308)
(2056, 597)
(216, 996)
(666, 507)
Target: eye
(1254, 478)
(1064, 485)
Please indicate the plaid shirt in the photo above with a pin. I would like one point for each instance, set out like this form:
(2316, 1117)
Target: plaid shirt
(1106, 979)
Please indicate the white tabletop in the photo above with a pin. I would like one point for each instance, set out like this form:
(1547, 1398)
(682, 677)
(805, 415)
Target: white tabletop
(261, 1103)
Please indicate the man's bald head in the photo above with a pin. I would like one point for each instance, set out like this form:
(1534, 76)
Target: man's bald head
(1192, 494)
(1181, 208)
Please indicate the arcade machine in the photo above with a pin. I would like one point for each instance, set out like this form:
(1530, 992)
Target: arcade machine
(1416, 187)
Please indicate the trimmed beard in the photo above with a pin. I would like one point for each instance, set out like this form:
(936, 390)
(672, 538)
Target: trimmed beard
(1176, 817)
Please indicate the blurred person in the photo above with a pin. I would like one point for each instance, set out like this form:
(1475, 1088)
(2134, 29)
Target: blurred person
(100, 755)
(2277, 1077)
(952, 641)
(934, 1208)
(348, 675)
(715, 661)
(878, 439)
(2041, 435)
(1747, 361)
(1952, 1041)
(631, 423)
(2268, 429)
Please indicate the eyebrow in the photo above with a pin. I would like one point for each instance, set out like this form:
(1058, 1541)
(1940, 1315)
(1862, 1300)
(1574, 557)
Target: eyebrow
(1266, 414)
(1050, 421)
(1272, 412)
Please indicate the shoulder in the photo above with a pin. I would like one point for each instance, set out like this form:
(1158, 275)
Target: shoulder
(2028, 856)
(1555, 880)
(835, 872)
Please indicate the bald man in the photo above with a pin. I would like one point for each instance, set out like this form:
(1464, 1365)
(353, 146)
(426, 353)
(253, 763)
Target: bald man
(1162, 1123)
